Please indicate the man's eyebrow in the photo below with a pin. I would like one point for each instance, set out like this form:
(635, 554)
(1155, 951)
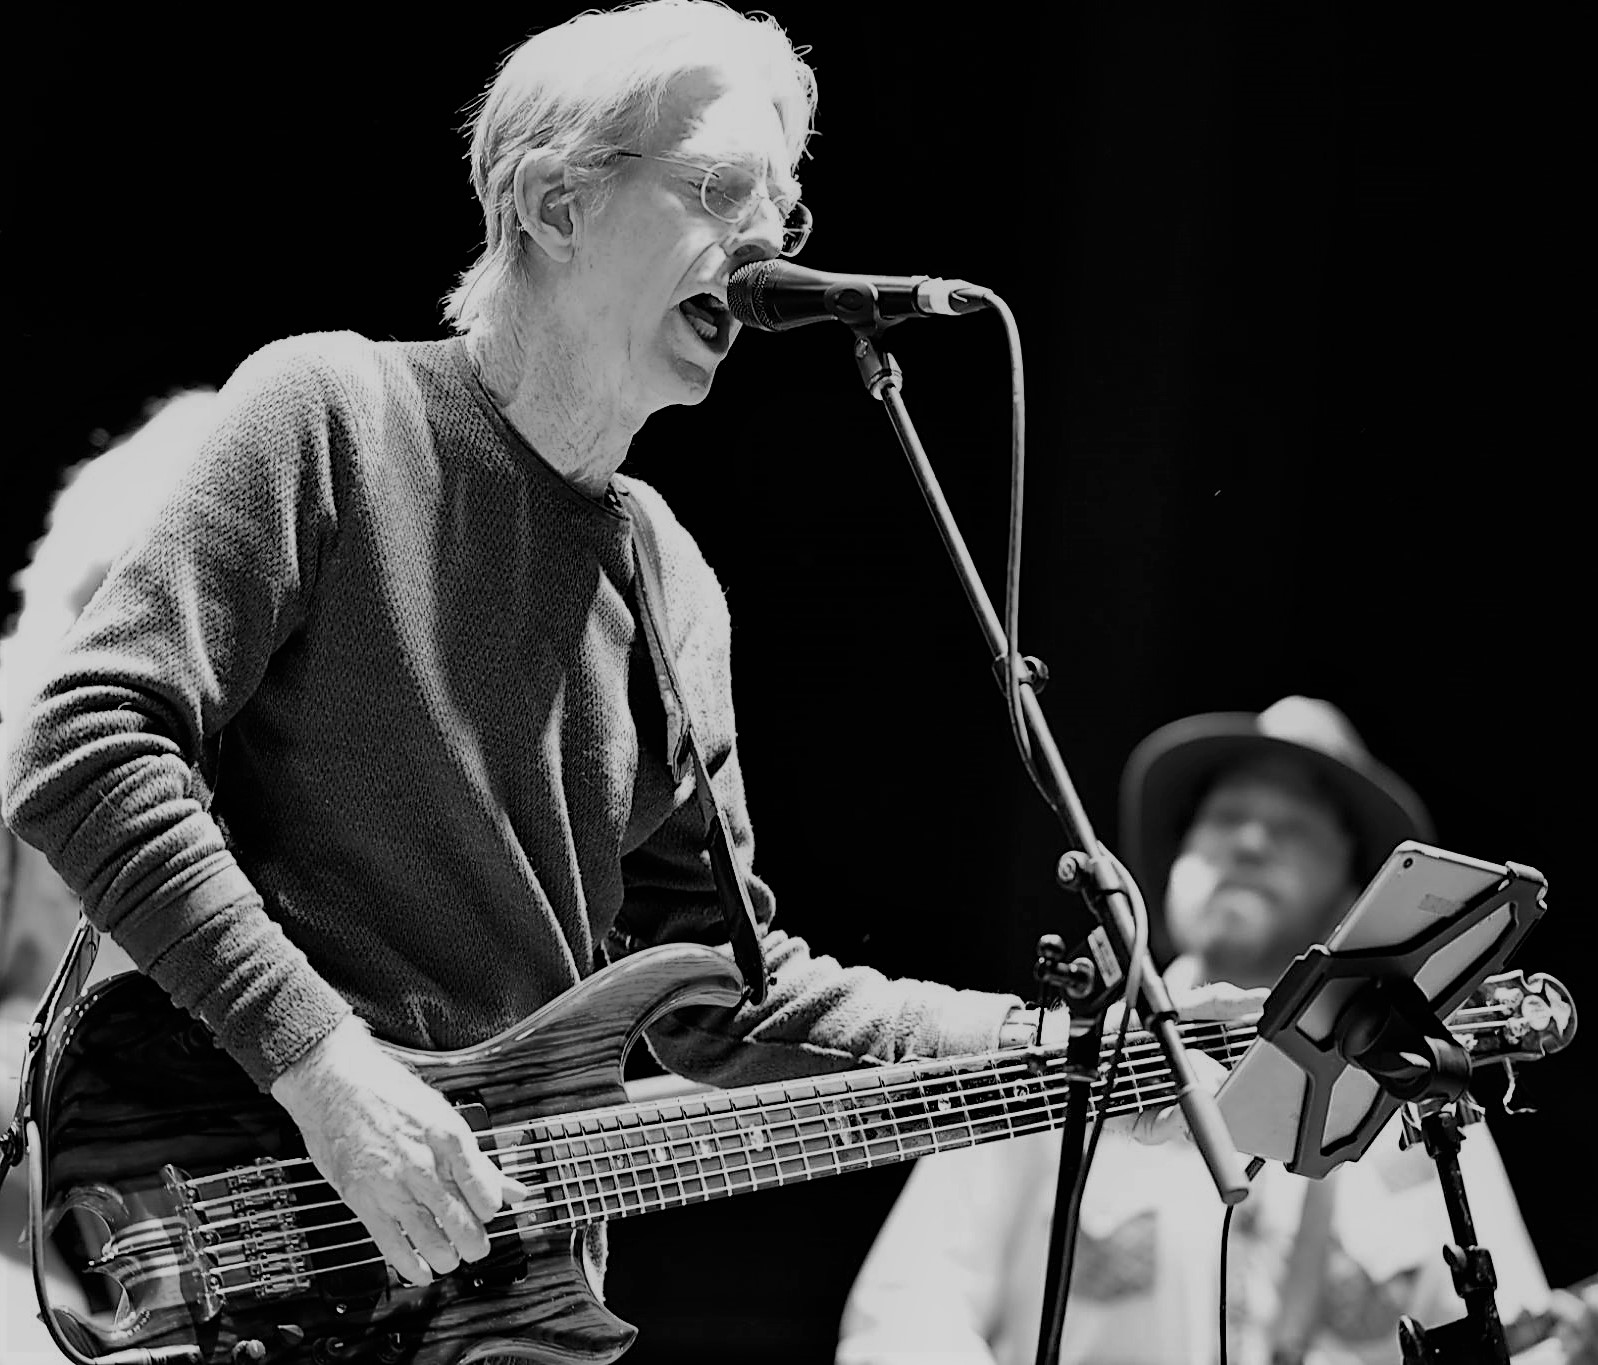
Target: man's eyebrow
(778, 178)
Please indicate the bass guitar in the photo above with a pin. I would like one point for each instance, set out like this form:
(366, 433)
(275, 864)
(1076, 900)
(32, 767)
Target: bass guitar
(167, 1173)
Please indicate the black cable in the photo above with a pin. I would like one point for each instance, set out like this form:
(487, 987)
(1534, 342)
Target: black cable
(1073, 1209)
(1251, 1170)
(1012, 557)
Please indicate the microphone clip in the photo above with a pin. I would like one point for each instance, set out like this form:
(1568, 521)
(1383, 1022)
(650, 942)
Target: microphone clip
(878, 369)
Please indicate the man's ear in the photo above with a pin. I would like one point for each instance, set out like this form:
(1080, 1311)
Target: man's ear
(544, 205)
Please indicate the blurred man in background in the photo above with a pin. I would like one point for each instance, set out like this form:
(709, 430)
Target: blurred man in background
(102, 504)
(1261, 830)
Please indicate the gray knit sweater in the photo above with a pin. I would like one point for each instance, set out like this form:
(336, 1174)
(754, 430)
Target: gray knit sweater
(366, 722)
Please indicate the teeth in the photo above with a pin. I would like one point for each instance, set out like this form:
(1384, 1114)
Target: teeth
(704, 313)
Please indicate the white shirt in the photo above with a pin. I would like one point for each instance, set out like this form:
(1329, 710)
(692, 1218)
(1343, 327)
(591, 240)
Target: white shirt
(956, 1274)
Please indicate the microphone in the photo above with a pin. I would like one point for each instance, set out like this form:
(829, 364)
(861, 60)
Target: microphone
(778, 295)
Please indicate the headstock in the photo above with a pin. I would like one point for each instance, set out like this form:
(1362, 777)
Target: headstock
(1512, 1017)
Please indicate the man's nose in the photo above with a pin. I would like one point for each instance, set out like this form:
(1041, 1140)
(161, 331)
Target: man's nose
(758, 237)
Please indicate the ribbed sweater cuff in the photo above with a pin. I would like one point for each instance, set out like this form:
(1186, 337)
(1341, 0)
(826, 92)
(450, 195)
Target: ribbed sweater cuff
(971, 1020)
(224, 960)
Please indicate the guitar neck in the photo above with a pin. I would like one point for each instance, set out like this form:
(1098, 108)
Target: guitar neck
(637, 1158)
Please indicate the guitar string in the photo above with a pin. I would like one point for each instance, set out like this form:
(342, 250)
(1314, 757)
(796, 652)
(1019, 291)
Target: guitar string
(567, 1218)
(1235, 1037)
(1206, 1037)
(1009, 1061)
(652, 1138)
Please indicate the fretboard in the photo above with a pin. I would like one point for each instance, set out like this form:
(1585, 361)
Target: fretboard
(637, 1158)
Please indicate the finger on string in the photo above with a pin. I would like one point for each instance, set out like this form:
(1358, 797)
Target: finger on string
(484, 1186)
(396, 1249)
(463, 1228)
(431, 1243)
(513, 1192)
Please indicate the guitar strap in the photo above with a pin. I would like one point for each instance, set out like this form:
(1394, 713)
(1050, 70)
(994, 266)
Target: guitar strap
(683, 751)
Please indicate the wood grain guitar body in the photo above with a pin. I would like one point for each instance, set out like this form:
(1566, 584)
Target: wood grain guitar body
(187, 1187)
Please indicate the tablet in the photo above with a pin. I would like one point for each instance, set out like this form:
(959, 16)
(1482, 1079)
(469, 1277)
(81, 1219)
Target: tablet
(1442, 920)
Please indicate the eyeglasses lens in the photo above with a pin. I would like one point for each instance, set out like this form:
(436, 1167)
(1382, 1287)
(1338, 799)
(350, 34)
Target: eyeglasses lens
(729, 193)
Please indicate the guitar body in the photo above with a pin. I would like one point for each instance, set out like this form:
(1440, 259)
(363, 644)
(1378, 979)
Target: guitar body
(143, 1111)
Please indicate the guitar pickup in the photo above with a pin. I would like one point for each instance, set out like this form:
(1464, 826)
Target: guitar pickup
(506, 1262)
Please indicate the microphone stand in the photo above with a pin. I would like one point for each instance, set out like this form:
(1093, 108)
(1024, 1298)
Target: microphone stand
(1099, 881)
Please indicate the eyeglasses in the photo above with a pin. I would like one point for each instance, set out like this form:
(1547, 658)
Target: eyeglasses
(732, 193)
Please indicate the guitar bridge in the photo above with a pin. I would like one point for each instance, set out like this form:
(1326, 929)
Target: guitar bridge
(240, 1229)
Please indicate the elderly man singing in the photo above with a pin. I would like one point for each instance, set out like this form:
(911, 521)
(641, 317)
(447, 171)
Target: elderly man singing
(367, 734)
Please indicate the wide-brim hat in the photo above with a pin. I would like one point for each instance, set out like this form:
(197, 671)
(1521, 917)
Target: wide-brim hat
(1170, 771)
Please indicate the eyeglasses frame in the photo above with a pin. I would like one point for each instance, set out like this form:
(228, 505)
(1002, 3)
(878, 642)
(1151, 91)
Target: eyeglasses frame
(804, 230)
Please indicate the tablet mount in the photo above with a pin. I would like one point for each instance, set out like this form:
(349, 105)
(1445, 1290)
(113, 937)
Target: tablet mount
(1367, 1009)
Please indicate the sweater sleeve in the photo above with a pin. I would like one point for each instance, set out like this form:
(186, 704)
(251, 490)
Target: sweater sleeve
(105, 776)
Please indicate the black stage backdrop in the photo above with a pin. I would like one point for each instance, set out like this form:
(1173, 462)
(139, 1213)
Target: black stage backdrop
(1288, 281)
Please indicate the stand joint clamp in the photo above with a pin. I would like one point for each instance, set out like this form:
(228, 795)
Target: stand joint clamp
(878, 369)
(1034, 673)
(1472, 1268)
(1075, 978)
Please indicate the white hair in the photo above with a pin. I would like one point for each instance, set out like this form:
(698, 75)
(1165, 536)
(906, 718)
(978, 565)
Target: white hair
(102, 505)
(594, 86)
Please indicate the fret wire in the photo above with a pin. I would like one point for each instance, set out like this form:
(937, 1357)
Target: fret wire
(628, 1148)
(608, 1126)
(721, 1151)
(696, 1150)
(963, 1108)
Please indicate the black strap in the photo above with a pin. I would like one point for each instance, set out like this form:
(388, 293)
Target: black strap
(682, 750)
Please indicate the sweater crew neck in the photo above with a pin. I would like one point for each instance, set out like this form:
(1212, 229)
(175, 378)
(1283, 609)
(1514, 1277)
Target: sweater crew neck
(471, 384)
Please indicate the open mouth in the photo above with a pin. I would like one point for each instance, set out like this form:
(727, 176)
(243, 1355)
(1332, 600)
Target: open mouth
(709, 319)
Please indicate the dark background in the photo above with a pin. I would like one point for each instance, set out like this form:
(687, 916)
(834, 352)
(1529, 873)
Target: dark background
(1291, 287)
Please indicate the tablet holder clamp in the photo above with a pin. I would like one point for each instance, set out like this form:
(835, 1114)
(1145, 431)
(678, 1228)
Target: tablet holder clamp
(1389, 1030)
